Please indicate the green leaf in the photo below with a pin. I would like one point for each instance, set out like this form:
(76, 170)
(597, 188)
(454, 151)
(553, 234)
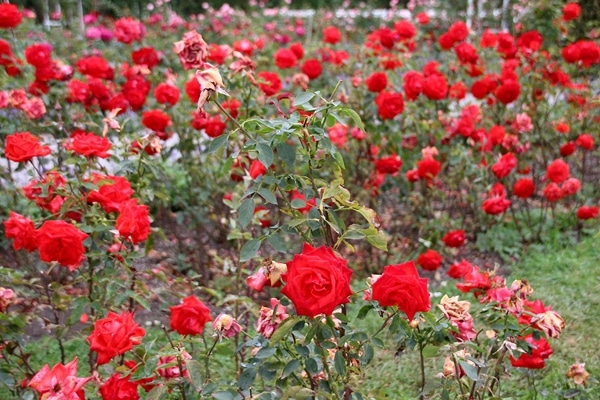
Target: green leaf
(277, 242)
(247, 377)
(298, 393)
(362, 313)
(217, 143)
(224, 395)
(265, 154)
(367, 355)
(195, 370)
(430, 351)
(287, 153)
(266, 352)
(7, 379)
(378, 240)
(470, 370)
(267, 195)
(355, 117)
(340, 363)
(245, 212)
(290, 368)
(284, 328)
(303, 98)
(311, 366)
(157, 392)
(250, 249)
(298, 203)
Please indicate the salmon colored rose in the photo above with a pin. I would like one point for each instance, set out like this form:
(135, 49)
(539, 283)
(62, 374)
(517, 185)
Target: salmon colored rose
(317, 281)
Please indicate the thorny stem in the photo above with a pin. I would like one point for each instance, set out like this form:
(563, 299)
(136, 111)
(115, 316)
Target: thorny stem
(208, 354)
(179, 363)
(57, 322)
(230, 117)
(421, 365)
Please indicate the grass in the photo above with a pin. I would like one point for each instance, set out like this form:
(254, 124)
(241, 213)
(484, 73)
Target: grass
(564, 277)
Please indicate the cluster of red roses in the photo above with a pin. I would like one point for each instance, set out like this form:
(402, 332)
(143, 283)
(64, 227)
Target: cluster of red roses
(57, 239)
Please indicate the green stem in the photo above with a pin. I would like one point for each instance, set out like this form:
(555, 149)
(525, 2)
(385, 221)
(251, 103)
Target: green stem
(179, 363)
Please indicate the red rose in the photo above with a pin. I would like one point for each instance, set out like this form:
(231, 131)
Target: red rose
(428, 168)
(455, 238)
(271, 84)
(145, 56)
(524, 188)
(457, 91)
(466, 53)
(95, 66)
(530, 42)
(388, 165)
(401, 286)
(214, 126)
(558, 171)
(446, 41)
(127, 30)
(256, 169)
(317, 281)
(156, 120)
(458, 31)
(10, 16)
(460, 269)
(331, 35)
(285, 58)
(508, 91)
(189, 317)
(117, 388)
(540, 351)
(39, 55)
(475, 281)
(166, 93)
(376, 82)
(23, 146)
(46, 199)
(505, 165)
(413, 84)
(114, 335)
(133, 223)
(405, 29)
(571, 11)
(21, 230)
(192, 89)
(312, 68)
(587, 212)
(61, 242)
(585, 141)
(431, 260)
(88, 144)
(389, 105)
(570, 187)
(112, 192)
(135, 91)
(435, 86)
(567, 149)
(495, 205)
(553, 192)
